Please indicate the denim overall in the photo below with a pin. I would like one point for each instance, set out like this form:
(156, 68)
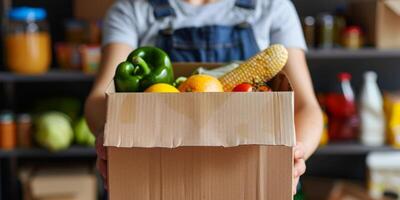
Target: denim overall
(208, 43)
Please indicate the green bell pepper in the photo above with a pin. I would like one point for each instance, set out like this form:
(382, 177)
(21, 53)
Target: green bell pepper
(144, 67)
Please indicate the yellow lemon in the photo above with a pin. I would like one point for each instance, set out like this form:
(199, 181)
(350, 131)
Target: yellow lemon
(162, 88)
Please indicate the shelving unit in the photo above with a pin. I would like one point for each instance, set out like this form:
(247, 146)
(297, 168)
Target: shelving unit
(72, 152)
(350, 149)
(333, 159)
(366, 53)
(86, 152)
(56, 82)
(52, 76)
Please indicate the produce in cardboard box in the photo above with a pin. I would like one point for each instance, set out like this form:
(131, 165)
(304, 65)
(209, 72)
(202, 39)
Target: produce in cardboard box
(144, 67)
(219, 71)
(244, 87)
(201, 83)
(162, 88)
(263, 88)
(147, 66)
(179, 81)
(247, 87)
(259, 68)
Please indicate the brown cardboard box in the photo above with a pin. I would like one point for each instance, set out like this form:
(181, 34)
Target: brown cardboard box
(62, 184)
(91, 9)
(381, 21)
(208, 146)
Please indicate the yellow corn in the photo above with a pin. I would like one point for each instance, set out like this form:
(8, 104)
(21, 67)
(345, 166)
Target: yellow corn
(261, 67)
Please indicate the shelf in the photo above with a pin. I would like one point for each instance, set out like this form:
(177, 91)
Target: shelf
(312, 54)
(350, 149)
(84, 152)
(345, 53)
(72, 152)
(60, 76)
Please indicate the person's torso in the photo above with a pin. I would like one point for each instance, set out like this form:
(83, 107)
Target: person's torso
(220, 13)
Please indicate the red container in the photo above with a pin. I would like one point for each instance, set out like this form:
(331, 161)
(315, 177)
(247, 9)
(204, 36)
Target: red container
(342, 112)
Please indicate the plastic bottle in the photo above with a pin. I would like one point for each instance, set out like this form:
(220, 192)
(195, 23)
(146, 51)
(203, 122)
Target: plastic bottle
(371, 112)
(342, 111)
(324, 138)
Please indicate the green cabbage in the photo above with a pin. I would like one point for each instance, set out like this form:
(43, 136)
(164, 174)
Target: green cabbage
(83, 135)
(54, 131)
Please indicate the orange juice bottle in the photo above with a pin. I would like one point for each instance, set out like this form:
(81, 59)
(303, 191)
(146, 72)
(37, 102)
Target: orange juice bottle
(27, 41)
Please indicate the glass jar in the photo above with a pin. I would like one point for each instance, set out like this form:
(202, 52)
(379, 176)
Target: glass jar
(27, 41)
(325, 31)
(353, 37)
(24, 130)
(309, 30)
(7, 131)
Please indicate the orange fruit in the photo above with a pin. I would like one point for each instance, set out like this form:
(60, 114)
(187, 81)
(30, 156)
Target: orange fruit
(162, 88)
(201, 83)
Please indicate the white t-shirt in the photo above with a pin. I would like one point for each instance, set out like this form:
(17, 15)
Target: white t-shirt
(133, 22)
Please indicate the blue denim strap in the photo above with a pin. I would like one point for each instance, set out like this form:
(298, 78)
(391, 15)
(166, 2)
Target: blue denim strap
(162, 8)
(247, 4)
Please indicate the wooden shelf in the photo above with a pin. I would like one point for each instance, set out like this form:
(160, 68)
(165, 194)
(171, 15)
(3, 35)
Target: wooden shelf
(72, 152)
(52, 76)
(85, 152)
(352, 54)
(350, 149)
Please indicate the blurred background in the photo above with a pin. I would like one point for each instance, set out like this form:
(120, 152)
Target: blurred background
(47, 150)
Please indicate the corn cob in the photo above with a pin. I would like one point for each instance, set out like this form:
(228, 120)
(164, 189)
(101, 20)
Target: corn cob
(261, 67)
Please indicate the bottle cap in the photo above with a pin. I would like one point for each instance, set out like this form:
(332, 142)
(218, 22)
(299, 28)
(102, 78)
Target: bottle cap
(353, 29)
(326, 19)
(344, 76)
(309, 21)
(24, 118)
(370, 75)
(6, 117)
(27, 14)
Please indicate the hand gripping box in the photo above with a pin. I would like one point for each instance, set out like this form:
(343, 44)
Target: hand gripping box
(200, 146)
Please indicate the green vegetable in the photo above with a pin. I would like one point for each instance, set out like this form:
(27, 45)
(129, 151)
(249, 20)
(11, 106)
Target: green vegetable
(217, 72)
(83, 135)
(144, 67)
(54, 131)
(179, 81)
(67, 105)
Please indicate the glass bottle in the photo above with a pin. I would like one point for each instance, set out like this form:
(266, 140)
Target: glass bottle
(342, 111)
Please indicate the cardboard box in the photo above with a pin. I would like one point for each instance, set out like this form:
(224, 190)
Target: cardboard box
(380, 20)
(383, 173)
(208, 146)
(345, 190)
(61, 184)
(91, 9)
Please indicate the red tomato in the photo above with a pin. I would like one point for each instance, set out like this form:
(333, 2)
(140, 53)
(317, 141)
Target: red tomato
(244, 87)
(264, 88)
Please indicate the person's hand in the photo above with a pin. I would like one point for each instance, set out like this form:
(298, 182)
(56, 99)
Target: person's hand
(101, 162)
(299, 165)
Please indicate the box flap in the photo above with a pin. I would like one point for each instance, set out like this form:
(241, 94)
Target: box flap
(394, 5)
(199, 119)
(74, 182)
(110, 88)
